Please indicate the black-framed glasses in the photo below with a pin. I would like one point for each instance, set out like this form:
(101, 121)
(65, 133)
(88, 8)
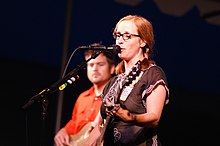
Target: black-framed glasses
(125, 36)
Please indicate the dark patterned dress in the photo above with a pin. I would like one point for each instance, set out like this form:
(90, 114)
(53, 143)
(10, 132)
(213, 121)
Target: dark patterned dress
(132, 98)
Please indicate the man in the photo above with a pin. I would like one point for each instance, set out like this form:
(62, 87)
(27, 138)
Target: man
(87, 106)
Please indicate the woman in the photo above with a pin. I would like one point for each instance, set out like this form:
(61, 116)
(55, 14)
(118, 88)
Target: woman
(136, 107)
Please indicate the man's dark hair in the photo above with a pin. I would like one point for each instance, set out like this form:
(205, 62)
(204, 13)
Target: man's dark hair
(109, 54)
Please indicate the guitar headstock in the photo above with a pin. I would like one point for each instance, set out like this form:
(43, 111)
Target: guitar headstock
(136, 69)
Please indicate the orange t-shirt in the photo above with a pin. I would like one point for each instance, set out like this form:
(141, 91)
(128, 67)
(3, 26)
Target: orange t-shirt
(85, 110)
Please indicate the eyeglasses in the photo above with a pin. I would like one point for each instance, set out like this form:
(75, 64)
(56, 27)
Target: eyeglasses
(125, 36)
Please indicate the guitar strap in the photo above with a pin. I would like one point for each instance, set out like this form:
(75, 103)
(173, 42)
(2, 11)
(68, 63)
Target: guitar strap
(111, 98)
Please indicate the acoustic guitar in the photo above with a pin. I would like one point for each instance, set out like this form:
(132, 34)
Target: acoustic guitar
(131, 76)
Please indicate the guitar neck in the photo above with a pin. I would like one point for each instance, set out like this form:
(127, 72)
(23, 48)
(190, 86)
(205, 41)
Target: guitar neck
(103, 130)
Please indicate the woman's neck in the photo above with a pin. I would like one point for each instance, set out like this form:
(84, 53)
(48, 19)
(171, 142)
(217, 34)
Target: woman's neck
(130, 63)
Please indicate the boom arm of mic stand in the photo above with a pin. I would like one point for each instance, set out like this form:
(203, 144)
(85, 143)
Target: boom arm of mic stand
(40, 96)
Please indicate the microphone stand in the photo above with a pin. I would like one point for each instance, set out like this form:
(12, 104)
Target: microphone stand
(42, 96)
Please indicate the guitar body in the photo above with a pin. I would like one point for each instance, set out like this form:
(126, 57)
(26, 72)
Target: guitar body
(79, 138)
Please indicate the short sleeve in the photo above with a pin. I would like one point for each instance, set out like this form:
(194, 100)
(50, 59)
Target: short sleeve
(153, 77)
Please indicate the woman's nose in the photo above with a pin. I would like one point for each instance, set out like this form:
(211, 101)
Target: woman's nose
(120, 40)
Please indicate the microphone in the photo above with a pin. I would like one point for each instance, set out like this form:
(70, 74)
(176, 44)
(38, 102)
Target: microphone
(114, 48)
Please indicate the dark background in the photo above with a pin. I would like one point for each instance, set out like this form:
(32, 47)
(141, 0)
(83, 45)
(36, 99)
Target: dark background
(32, 40)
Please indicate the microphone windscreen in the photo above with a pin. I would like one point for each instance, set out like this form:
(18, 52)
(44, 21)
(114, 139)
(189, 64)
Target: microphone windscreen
(116, 48)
